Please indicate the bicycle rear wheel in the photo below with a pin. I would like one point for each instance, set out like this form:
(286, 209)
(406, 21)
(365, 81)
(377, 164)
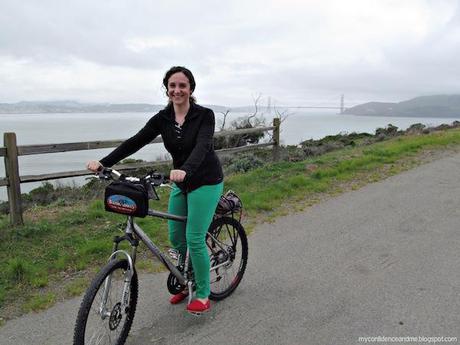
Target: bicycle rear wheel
(228, 251)
(109, 322)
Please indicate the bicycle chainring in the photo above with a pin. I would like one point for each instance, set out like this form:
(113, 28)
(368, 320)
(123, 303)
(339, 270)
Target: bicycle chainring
(174, 287)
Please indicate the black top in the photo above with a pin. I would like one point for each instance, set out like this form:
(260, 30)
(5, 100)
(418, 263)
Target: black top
(190, 145)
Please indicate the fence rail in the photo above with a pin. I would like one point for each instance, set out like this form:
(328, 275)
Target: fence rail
(11, 151)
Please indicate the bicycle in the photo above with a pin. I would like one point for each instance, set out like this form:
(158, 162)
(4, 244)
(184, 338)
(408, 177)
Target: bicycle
(109, 304)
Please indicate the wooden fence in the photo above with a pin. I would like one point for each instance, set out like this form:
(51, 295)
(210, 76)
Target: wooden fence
(11, 152)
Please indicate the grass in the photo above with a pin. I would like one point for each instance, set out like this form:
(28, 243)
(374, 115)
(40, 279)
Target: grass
(52, 256)
(60, 245)
(39, 302)
(77, 287)
(265, 188)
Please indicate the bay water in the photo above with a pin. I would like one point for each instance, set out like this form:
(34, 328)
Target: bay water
(299, 125)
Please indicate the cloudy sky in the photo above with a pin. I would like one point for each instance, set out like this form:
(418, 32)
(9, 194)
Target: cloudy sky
(298, 52)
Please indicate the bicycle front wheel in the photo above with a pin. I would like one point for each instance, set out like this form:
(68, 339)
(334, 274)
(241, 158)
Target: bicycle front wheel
(104, 316)
(228, 251)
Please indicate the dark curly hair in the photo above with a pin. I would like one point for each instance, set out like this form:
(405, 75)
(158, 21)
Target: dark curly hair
(188, 74)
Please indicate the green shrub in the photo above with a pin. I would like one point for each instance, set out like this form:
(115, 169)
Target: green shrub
(389, 131)
(39, 281)
(33, 229)
(18, 270)
(244, 163)
(2, 296)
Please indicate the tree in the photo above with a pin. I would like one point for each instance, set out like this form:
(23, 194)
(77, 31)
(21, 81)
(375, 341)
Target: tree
(250, 121)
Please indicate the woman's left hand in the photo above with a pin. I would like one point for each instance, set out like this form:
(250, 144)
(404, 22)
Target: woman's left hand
(177, 175)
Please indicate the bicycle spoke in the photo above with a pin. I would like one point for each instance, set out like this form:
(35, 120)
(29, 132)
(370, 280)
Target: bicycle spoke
(98, 338)
(108, 333)
(111, 326)
(228, 251)
(229, 232)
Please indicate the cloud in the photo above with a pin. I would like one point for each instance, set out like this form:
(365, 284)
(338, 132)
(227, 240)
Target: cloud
(290, 49)
(141, 44)
(77, 80)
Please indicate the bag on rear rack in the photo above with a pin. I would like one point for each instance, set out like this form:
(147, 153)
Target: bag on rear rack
(229, 203)
(126, 198)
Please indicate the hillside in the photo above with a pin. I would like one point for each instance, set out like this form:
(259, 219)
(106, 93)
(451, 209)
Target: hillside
(77, 107)
(425, 106)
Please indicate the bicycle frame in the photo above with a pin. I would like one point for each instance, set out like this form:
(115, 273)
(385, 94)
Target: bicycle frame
(133, 229)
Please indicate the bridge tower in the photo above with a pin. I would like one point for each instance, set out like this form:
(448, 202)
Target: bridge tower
(342, 103)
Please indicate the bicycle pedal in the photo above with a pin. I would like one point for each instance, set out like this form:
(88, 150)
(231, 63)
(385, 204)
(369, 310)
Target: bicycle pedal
(197, 308)
(196, 313)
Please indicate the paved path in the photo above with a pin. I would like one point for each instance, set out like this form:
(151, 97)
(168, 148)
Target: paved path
(380, 261)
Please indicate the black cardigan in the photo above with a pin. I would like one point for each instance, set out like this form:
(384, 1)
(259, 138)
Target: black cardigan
(193, 152)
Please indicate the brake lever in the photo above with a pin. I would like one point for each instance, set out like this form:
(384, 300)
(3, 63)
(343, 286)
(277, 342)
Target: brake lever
(166, 185)
(101, 174)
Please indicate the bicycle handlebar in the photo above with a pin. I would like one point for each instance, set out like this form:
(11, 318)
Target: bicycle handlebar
(154, 178)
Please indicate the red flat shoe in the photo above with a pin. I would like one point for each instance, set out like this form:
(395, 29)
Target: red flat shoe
(175, 299)
(197, 307)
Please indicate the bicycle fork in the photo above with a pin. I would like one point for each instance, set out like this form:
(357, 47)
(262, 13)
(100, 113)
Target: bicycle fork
(126, 279)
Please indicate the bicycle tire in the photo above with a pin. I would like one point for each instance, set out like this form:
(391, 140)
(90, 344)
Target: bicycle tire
(118, 320)
(231, 235)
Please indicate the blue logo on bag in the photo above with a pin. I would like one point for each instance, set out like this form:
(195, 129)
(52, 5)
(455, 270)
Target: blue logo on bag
(121, 203)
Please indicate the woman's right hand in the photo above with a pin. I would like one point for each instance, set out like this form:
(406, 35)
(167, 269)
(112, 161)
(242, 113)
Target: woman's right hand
(93, 166)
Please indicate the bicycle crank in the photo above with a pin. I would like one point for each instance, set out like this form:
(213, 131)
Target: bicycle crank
(174, 287)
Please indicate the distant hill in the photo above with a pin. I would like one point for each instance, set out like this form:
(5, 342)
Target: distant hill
(425, 106)
(77, 107)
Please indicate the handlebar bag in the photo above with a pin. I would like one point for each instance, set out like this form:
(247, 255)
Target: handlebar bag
(126, 198)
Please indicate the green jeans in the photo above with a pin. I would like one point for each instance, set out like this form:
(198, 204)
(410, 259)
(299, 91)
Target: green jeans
(199, 207)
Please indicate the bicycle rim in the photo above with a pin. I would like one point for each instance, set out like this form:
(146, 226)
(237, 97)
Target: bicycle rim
(107, 323)
(228, 250)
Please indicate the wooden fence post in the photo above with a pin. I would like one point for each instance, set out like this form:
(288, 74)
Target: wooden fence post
(276, 139)
(12, 175)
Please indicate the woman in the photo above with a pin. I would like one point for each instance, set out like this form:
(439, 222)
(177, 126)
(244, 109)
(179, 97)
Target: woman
(187, 130)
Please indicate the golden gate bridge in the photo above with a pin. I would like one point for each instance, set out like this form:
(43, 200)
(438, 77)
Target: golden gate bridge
(341, 106)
